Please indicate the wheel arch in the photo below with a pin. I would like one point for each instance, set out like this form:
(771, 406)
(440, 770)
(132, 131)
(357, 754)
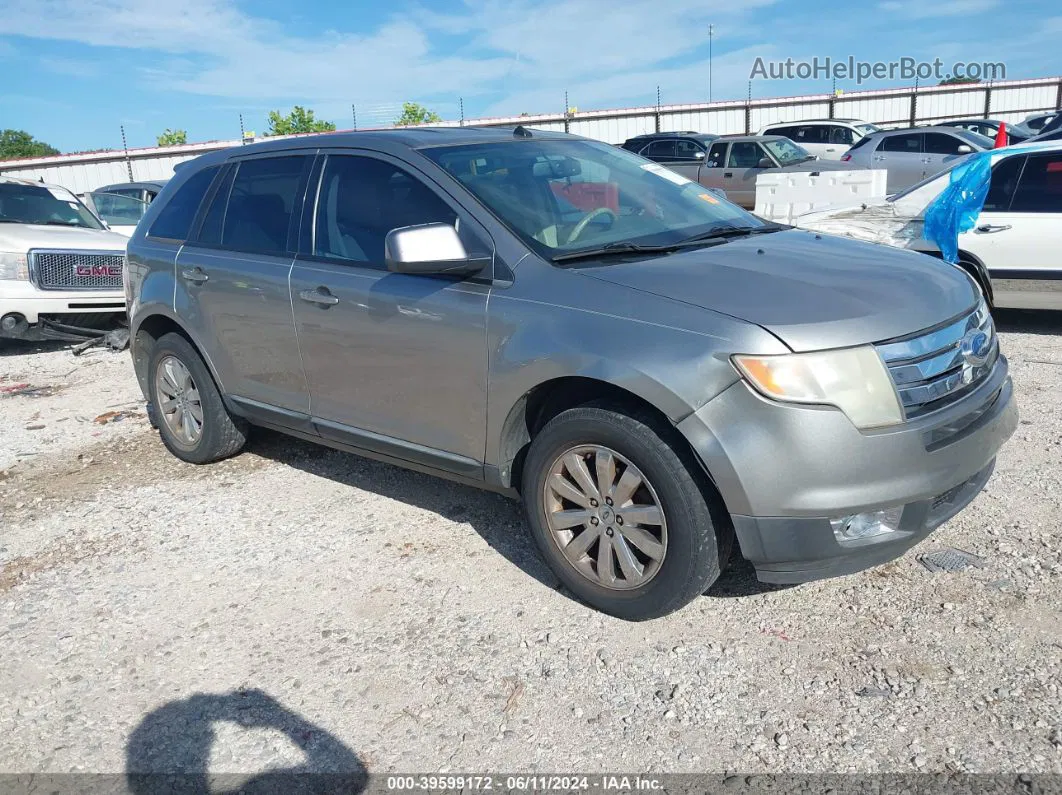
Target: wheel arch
(149, 330)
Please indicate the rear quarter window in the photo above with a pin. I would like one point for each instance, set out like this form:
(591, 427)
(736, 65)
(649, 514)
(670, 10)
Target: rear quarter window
(174, 220)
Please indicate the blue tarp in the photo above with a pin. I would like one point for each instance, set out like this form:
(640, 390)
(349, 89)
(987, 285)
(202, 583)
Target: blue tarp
(956, 209)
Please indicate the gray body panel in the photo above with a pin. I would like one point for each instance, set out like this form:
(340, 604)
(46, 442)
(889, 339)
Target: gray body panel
(435, 373)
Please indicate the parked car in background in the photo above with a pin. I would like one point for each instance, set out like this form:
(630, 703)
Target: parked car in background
(733, 164)
(60, 269)
(143, 191)
(1036, 121)
(120, 213)
(1016, 133)
(827, 139)
(1014, 250)
(544, 315)
(913, 154)
(672, 147)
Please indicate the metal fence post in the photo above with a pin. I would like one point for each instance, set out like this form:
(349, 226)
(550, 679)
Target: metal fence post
(914, 105)
(657, 114)
(125, 148)
(748, 111)
(1058, 97)
(567, 115)
(354, 113)
(988, 101)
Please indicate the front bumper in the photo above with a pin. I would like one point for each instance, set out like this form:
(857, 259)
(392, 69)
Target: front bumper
(36, 314)
(784, 471)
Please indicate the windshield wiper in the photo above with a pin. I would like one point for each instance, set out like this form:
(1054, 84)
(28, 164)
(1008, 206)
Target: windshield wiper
(63, 223)
(733, 231)
(613, 249)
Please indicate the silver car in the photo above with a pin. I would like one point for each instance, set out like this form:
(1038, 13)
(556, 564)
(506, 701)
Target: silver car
(914, 154)
(654, 371)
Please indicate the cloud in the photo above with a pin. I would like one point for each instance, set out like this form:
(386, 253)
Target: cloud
(530, 51)
(920, 9)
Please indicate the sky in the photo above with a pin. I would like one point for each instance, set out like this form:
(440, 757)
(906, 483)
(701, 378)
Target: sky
(73, 72)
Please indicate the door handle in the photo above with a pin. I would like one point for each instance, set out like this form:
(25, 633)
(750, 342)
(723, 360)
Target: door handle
(195, 274)
(991, 228)
(879, 158)
(320, 296)
(728, 174)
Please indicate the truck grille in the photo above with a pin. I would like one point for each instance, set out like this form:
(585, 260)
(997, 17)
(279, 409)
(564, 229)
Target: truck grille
(936, 368)
(77, 270)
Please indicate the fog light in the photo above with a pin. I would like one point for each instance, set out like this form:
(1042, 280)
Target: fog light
(867, 525)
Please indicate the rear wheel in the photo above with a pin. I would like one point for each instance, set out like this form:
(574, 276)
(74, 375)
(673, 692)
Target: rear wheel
(191, 417)
(621, 514)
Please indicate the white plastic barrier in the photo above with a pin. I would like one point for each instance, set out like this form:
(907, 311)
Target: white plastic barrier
(782, 196)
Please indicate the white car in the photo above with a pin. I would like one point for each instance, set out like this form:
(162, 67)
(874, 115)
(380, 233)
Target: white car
(60, 268)
(1015, 246)
(827, 139)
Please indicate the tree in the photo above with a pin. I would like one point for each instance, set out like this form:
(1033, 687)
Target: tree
(173, 137)
(19, 143)
(412, 113)
(959, 81)
(300, 120)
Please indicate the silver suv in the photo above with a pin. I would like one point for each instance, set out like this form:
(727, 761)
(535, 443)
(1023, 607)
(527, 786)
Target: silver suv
(654, 370)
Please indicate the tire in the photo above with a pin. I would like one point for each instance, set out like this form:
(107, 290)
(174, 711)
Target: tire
(693, 536)
(220, 434)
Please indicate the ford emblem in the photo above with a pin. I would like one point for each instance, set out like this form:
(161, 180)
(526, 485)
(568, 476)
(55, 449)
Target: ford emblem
(975, 347)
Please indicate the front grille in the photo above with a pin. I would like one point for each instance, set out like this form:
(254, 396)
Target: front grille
(933, 369)
(77, 270)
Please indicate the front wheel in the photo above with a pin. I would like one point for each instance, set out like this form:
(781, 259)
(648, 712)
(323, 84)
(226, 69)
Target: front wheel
(620, 514)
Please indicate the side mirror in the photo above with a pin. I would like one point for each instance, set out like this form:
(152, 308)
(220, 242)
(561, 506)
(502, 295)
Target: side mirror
(964, 149)
(765, 162)
(429, 249)
(698, 155)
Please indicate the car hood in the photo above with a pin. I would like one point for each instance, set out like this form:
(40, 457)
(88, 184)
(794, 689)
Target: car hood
(23, 237)
(811, 291)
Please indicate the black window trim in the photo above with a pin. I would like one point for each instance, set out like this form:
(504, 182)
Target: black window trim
(294, 223)
(497, 272)
(177, 240)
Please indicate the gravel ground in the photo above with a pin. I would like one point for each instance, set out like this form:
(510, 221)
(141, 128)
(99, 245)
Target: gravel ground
(300, 608)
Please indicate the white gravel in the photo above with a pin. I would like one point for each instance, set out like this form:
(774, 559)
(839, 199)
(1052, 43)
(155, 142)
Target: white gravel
(297, 606)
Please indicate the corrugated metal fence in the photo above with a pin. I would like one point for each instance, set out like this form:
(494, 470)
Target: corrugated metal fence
(1010, 100)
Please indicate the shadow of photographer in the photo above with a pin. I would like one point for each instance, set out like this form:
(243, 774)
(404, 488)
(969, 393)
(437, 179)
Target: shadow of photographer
(169, 751)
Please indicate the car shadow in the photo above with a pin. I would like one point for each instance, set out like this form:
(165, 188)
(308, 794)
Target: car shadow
(1028, 321)
(497, 519)
(169, 751)
(9, 347)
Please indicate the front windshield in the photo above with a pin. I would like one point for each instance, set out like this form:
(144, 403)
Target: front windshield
(118, 210)
(786, 152)
(43, 204)
(563, 196)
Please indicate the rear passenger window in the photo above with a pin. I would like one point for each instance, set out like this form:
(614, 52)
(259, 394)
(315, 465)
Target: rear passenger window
(911, 143)
(362, 199)
(175, 219)
(210, 233)
(664, 150)
(842, 136)
(260, 211)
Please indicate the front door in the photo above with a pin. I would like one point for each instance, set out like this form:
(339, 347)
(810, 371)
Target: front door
(396, 363)
(743, 167)
(1018, 235)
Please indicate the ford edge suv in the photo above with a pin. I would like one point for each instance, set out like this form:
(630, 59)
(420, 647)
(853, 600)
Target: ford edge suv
(652, 369)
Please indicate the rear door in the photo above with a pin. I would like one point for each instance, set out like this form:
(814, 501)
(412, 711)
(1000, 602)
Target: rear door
(711, 172)
(233, 284)
(839, 141)
(661, 151)
(902, 156)
(689, 155)
(1018, 235)
(396, 363)
(743, 167)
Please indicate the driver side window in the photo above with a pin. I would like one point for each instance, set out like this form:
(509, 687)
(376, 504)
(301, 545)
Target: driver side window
(717, 155)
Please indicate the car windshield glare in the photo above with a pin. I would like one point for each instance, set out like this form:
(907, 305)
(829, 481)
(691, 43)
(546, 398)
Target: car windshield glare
(786, 152)
(564, 196)
(43, 204)
(866, 129)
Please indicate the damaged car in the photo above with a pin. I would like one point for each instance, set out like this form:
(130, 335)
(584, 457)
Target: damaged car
(60, 268)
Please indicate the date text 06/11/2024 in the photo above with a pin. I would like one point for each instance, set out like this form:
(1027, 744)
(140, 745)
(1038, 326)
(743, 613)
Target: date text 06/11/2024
(523, 783)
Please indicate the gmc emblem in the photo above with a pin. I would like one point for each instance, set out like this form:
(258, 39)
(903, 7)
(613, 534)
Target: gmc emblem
(97, 270)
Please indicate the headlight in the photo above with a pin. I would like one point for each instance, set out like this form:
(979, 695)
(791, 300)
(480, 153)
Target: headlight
(853, 379)
(13, 265)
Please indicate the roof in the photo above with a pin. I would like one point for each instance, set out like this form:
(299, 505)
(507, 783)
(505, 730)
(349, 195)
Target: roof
(817, 121)
(753, 138)
(901, 130)
(148, 183)
(33, 182)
